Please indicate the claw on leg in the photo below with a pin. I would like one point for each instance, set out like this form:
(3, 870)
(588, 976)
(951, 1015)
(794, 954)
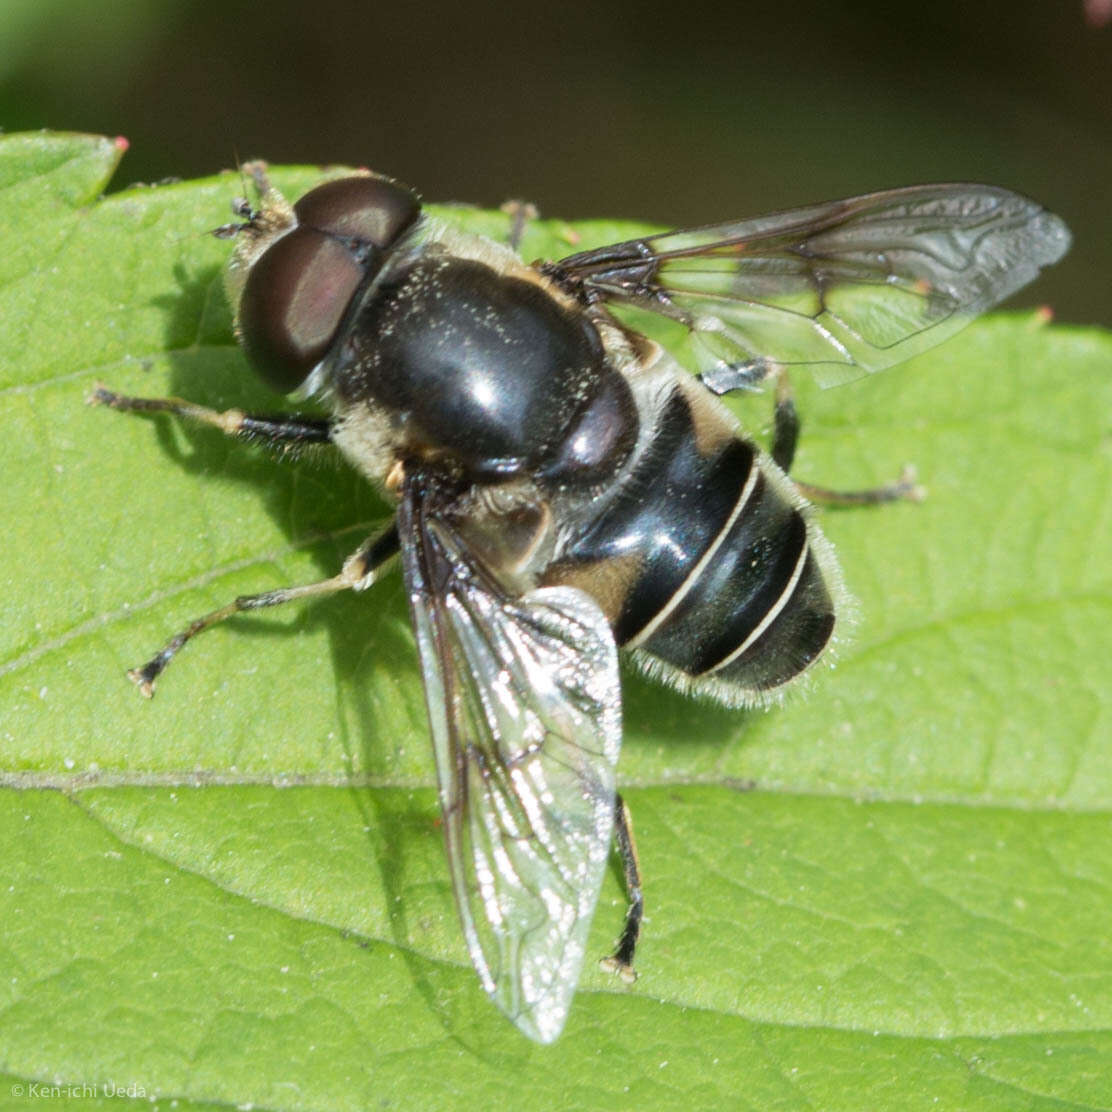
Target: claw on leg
(626, 973)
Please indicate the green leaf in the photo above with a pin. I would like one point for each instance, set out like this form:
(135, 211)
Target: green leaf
(891, 892)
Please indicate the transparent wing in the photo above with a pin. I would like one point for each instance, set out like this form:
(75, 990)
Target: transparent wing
(525, 710)
(846, 287)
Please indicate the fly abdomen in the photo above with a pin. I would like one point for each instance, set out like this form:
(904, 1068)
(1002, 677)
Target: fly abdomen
(758, 612)
(703, 559)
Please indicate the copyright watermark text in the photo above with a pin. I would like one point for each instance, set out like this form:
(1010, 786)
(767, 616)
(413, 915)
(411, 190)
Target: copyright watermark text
(42, 1090)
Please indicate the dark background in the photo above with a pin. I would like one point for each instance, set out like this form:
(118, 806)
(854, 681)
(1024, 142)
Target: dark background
(678, 113)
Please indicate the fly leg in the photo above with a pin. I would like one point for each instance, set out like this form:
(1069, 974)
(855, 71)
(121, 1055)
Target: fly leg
(905, 489)
(357, 574)
(785, 438)
(521, 214)
(785, 425)
(286, 433)
(621, 961)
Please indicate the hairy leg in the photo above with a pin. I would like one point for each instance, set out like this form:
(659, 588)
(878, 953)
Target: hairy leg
(284, 432)
(785, 438)
(357, 574)
(621, 961)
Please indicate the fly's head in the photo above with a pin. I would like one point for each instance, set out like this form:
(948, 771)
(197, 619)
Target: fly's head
(297, 268)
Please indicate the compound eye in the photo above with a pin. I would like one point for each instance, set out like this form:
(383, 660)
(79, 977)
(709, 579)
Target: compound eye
(293, 301)
(367, 210)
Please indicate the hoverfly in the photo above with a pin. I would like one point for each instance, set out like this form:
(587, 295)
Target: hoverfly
(564, 489)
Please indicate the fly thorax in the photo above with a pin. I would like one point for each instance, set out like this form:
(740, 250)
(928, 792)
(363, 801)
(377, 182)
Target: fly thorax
(484, 368)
